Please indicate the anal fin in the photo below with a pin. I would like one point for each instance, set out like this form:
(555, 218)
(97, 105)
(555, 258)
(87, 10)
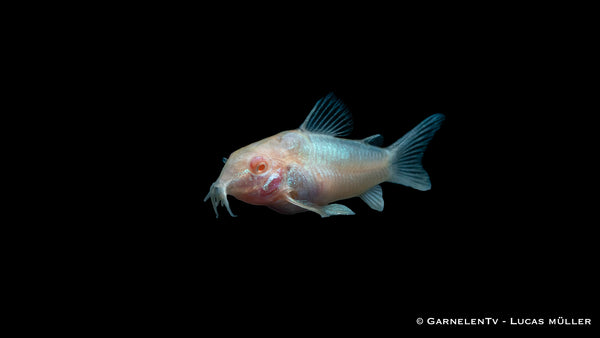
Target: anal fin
(374, 198)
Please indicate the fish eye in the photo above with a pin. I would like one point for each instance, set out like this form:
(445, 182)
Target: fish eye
(258, 165)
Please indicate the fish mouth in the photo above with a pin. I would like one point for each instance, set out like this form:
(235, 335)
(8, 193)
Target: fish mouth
(218, 195)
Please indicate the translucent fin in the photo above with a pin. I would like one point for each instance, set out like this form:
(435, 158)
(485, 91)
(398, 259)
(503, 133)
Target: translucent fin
(375, 140)
(407, 152)
(337, 209)
(374, 198)
(329, 116)
(324, 211)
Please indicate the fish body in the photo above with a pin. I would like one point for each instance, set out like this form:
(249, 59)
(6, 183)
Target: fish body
(309, 168)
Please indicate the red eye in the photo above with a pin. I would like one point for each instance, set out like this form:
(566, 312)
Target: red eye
(258, 165)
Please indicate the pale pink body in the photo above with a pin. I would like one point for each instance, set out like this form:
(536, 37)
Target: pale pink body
(318, 168)
(309, 168)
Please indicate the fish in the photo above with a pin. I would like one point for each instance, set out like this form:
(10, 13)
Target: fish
(309, 168)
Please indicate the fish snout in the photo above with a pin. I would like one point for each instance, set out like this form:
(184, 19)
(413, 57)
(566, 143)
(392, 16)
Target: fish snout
(218, 195)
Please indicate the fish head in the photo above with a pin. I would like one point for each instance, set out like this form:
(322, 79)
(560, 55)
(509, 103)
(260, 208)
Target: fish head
(252, 174)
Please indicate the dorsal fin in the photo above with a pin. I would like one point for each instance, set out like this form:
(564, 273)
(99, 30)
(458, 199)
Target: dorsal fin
(329, 116)
(375, 140)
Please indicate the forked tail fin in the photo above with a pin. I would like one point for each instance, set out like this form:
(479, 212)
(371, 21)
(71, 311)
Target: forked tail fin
(407, 152)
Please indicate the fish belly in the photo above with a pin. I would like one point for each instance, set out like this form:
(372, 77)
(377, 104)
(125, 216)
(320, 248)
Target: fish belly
(345, 168)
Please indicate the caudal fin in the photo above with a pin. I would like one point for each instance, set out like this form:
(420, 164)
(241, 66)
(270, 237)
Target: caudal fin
(407, 152)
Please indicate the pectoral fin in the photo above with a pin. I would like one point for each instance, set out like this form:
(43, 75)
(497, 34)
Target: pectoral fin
(324, 211)
(337, 209)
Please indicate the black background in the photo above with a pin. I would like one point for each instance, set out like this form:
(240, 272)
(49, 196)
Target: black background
(496, 233)
(502, 231)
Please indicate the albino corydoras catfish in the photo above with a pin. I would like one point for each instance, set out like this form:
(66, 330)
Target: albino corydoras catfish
(307, 169)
